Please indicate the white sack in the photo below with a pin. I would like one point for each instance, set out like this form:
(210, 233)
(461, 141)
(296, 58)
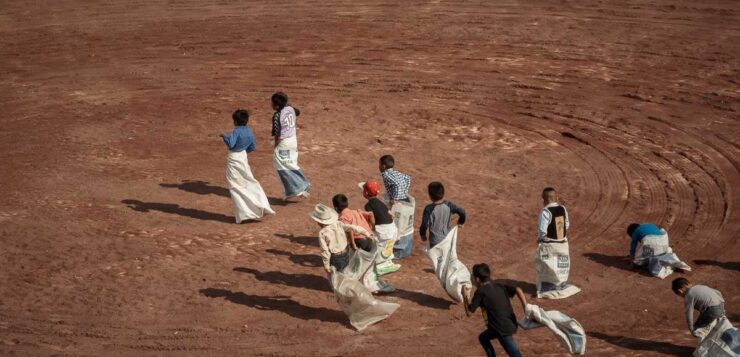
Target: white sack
(552, 265)
(387, 234)
(361, 267)
(358, 302)
(567, 330)
(403, 217)
(655, 252)
(250, 201)
(285, 162)
(723, 340)
(450, 271)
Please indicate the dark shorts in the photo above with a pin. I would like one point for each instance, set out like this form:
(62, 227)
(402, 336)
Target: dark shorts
(340, 261)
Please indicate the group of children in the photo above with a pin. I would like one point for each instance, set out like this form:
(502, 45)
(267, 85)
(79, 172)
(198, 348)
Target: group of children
(343, 229)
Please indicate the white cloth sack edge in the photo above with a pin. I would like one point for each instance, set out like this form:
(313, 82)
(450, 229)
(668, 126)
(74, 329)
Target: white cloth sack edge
(567, 330)
(250, 201)
(358, 303)
(713, 345)
(450, 271)
(361, 267)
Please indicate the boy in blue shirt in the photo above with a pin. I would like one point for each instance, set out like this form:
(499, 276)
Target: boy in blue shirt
(638, 231)
(438, 215)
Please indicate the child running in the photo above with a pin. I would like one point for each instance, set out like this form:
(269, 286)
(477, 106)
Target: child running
(250, 201)
(285, 156)
(493, 299)
(438, 215)
(333, 238)
(385, 229)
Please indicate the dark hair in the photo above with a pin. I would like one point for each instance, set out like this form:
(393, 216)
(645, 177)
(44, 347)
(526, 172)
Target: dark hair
(678, 284)
(436, 190)
(241, 117)
(482, 272)
(547, 190)
(340, 202)
(387, 161)
(632, 228)
(280, 99)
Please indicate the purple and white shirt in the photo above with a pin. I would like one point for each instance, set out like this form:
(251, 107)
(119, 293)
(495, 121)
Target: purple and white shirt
(283, 123)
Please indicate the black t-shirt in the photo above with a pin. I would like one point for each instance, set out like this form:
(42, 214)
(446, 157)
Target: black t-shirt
(493, 299)
(379, 210)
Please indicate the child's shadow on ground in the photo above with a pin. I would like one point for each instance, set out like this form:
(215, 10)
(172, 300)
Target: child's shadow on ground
(637, 344)
(278, 303)
(304, 281)
(724, 265)
(172, 208)
(205, 188)
(423, 299)
(305, 240)
(306, 260)
(616, 261)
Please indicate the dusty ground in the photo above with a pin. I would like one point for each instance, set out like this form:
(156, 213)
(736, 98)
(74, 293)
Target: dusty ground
(116, 227)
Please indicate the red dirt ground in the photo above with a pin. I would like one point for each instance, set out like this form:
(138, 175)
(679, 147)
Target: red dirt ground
(116, 227)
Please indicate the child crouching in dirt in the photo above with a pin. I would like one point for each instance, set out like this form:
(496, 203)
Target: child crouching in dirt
(493, 299)
(333, 238)
(709, 303)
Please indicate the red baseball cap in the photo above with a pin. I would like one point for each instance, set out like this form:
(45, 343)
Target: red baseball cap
(370, 187)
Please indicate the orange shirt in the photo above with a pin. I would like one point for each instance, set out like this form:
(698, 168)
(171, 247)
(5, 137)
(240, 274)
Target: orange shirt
(356, 218)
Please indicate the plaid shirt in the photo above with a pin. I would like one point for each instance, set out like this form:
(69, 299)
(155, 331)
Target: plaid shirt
(397, 184)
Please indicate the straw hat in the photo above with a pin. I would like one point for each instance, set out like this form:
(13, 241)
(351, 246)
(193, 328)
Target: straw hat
(323, 214)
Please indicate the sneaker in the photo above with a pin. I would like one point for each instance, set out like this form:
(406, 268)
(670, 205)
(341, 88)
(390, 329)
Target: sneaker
(304, 195)
(388, 268)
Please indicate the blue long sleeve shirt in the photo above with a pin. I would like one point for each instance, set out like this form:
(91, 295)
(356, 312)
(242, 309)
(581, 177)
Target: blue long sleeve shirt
(242, 138)
(645, 229)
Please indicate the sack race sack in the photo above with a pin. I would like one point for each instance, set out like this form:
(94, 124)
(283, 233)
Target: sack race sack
(450, 271)
(403, 217)
(568, 331)
(655, 252)
(285, 162)
(362, 268)
(723, 340)
(386, 235)
(250, 201)
(552, 265)
(358, 302)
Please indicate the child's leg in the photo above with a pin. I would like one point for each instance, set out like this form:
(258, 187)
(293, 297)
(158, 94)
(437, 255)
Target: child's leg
(507, 342)
(485, 338)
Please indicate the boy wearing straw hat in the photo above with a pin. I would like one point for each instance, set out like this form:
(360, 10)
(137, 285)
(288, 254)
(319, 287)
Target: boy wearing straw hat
(333, 237)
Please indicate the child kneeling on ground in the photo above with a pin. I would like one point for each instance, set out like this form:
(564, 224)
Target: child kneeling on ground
(493, 299)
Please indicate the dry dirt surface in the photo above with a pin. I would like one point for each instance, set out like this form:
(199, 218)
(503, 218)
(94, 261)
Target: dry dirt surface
(116, 227)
